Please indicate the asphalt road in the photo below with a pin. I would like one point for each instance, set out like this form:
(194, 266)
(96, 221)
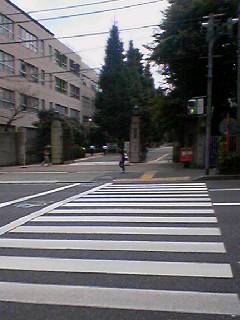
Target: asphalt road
(43, 280)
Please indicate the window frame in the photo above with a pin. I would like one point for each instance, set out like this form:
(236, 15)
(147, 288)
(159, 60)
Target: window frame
(4, 102)
(61, 86)
(6, 67)
(28, 39)
(6, 30)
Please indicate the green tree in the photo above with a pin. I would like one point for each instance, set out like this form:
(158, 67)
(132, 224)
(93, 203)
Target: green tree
(141, 91)
(134, 70)
(180, 48)
(112, 103)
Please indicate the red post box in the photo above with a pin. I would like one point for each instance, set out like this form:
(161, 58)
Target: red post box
(186, 155)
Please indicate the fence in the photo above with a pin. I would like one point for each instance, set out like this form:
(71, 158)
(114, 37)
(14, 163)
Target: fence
(215, 144)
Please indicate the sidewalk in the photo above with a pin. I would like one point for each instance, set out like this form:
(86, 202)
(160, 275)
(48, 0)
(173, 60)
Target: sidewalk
(135, 172)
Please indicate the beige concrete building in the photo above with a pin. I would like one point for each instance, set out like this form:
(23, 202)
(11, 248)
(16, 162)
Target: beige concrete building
(38, 72)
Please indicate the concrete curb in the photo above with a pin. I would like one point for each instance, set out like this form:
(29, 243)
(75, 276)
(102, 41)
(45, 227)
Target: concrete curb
(217, 177)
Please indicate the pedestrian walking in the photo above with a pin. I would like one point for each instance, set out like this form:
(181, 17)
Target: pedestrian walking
(46, 156)
(122, 161)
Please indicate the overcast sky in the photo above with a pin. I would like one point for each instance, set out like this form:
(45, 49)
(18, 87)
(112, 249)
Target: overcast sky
(93, 48)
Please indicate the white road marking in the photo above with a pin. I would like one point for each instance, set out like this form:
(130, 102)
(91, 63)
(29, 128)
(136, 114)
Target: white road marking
(106, 199)
(154, 185)
(8, 203)
(140, 196)
(183, 269)
(155, 189)
(30, 182)
(225, 189)
(118, 298)
(136, 219)
(164, 191)
(226, 203)
(20, 221)
(132, 210)
(120, 230)
(124, 204)
(98, 163)
(206, 247)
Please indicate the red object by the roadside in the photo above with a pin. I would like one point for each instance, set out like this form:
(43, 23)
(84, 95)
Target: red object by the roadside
(186, 155)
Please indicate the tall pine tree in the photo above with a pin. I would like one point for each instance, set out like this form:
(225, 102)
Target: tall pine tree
(113, 107)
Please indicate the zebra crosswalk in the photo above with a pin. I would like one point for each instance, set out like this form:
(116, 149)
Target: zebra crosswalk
(120, 251)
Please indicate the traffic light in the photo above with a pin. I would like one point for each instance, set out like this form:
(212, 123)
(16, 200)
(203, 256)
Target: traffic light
(192, 107)
(195, 106)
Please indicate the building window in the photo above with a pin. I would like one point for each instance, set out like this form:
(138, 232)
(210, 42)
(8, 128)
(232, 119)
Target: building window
(42, 77)
(74, 92)
(61, 109)
(74, 67)
(28, 103)
(50, 49)
(6, 26)
(74, 114)
(23, 69)
(29, 40)
(51, 105)
(61, 85)
(41, 47)
(6, 63)
(7, 98)
(29, 71)
(33, 73)
(86, 102)
(61, 59)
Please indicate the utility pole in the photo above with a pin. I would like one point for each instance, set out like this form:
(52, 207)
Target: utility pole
(211, 39)
(238, 84)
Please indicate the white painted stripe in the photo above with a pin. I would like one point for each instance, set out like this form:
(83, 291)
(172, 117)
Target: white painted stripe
(225, 189)
(156, 186)
(8, 203)
(148, 185)
(151, 192)
(106, 199)
(226, 203)
(126, 219)
(120, 230)
(132, 210)
(30, 181)
(20, 221)
(206, 247)
(140, 196)
(183, 269)
(118, 298)
(124, 204)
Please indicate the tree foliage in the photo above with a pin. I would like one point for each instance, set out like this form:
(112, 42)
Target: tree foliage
(180, 48)
(112, 103)
(125, 83)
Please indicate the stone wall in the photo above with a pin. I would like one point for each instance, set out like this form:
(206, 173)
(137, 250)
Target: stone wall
(12, 146)
(7, 147)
